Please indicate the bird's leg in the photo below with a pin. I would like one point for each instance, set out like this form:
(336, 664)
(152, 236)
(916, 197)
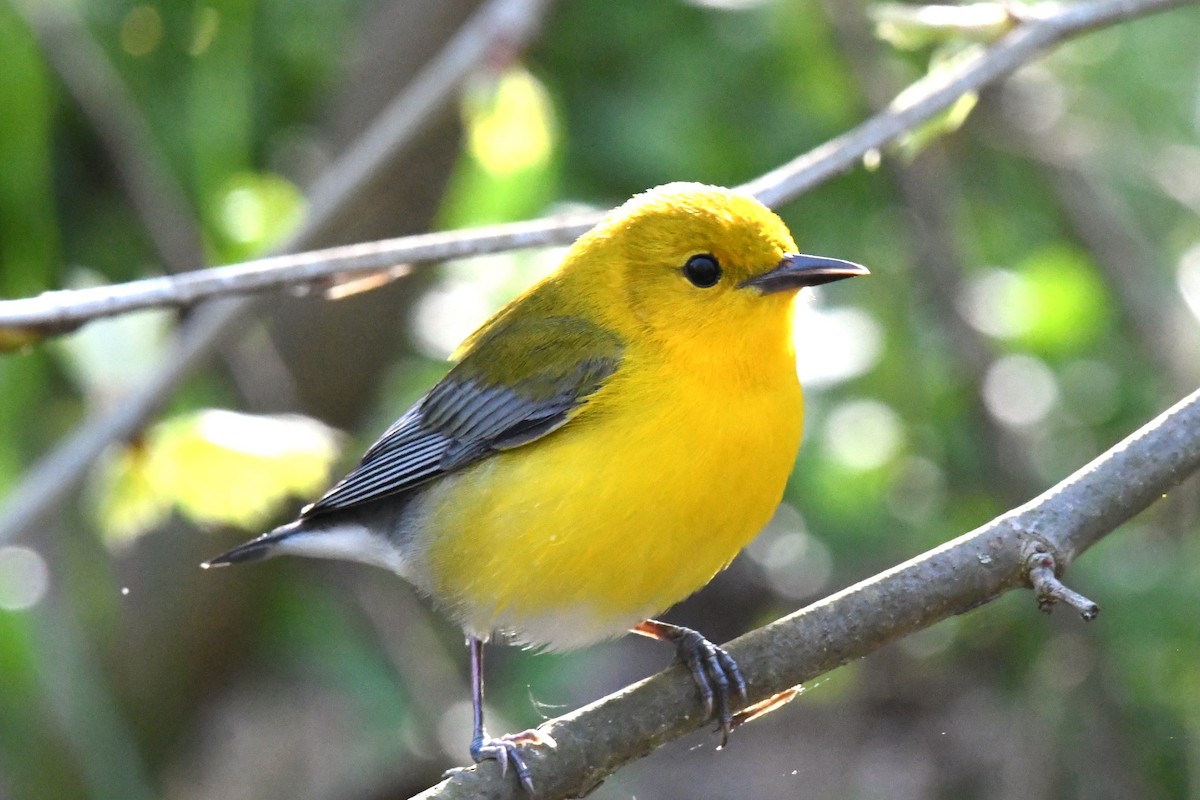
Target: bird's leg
(715, 672)
(504, 748)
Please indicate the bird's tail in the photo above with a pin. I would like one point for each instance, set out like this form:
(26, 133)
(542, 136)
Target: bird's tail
(264, 546)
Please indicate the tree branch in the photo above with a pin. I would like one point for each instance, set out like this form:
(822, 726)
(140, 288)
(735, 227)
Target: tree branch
(1041, 537)
(1037, 29)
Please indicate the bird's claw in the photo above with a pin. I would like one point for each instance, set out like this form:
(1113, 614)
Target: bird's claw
(505, 750)
(716, 675)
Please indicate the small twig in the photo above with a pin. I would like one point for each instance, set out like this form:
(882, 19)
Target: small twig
(56, 311)
(1049, 590)
(954, 578)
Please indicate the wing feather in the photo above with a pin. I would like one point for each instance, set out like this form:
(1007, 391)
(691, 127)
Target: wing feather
(518, 384)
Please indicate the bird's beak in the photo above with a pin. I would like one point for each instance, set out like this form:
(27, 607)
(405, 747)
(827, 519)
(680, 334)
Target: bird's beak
(797, 270)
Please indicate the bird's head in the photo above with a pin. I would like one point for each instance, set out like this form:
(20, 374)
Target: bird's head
(686, 259)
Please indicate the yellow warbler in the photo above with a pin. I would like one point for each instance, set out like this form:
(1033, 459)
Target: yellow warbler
(605, 444)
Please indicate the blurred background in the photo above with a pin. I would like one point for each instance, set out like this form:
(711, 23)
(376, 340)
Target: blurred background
(1035, 297)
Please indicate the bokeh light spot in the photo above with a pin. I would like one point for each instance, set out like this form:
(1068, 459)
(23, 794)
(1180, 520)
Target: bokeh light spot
(1188, 279)
(447, 314)
(454, 727)
(997, 303)
(863, 434)
(795, 563)
(1091, 391)
(208, 21)
(1019, 390)
(24, 578)
(728, 5)
(256, 210)
(918, 491)
(931, 641)
(141, 31)
(834, 344)
(510, 124)
(471, 290)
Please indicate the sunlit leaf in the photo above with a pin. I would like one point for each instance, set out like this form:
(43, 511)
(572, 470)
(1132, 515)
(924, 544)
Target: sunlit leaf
(128, 501)
(942, 64)
(508, 169)
(510, 123)
(215, 467)
(912, 27)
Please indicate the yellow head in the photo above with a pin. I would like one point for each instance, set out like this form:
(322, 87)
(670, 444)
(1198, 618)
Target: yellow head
(686, 262)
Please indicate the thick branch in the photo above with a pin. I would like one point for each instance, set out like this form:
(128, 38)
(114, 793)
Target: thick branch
(960, 575)
(1037, 31)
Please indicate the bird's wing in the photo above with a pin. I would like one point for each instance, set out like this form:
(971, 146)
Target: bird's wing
(519, 382)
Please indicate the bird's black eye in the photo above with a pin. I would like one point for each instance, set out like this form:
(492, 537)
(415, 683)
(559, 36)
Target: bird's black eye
(702, 270)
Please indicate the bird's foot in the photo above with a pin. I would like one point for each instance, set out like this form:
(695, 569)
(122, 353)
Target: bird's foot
(505, 750)
(717, 676)
(714, 671)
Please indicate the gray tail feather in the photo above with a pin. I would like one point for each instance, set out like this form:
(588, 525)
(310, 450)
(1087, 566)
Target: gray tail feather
(255, 549)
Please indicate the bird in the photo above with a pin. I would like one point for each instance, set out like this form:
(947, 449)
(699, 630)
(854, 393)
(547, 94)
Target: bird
(603, 446)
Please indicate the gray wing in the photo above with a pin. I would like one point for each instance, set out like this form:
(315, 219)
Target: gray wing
(474, 411)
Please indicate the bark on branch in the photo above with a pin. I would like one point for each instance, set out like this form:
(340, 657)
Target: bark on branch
(1044, 535)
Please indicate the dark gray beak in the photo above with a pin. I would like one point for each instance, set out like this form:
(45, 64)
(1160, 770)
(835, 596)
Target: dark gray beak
(796, 271)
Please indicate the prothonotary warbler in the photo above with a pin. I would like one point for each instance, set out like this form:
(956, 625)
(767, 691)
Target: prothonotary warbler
(605, 444)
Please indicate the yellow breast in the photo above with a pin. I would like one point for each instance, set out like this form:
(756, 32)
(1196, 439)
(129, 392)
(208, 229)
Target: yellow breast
(636, 503)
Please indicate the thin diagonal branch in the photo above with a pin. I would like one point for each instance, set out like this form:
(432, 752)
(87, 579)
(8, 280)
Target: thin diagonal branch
(1038, 30)
(952, 579)
(57, 474)
(140, 164)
